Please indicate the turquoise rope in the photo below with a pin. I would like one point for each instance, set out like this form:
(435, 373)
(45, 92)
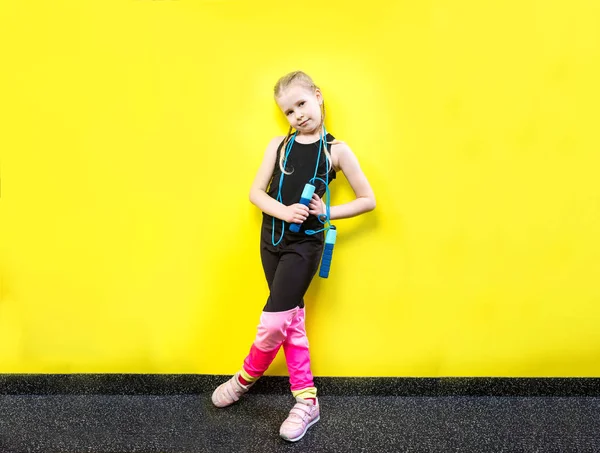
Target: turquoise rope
(322, 142)
(279, 198)
(327, 214)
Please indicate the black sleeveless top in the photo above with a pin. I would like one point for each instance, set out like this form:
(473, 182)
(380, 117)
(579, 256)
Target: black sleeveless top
(301, 162)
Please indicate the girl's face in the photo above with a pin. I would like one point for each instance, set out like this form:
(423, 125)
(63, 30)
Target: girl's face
(302, 107)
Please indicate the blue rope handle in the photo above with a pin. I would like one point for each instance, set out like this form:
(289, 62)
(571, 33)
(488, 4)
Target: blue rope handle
(327, 210)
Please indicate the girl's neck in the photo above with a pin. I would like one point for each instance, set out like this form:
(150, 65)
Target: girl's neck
(308, 138)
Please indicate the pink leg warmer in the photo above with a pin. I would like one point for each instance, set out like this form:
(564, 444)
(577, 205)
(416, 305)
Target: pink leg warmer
(296, 353)
(272, 332)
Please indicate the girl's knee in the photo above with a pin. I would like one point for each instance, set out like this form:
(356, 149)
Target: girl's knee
(273, 327)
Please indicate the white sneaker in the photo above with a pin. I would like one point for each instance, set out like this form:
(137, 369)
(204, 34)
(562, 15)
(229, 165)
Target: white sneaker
(303, 415)
(229, 392)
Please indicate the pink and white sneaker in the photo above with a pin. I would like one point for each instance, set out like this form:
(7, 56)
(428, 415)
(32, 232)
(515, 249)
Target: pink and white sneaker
(303, 415)
(229, 392)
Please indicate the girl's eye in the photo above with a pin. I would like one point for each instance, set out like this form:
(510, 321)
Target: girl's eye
(302, 103)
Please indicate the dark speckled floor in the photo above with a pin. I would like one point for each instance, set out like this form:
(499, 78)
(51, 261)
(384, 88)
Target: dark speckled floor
(189, 423)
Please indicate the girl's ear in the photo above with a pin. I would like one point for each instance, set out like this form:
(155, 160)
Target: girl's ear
(319, 96)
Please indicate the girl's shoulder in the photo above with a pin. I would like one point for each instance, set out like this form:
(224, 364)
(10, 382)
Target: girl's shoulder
(274, 145)
(338, 147)
(277, 140)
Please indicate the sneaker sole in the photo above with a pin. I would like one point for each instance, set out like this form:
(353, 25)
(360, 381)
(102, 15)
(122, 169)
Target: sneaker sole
(304, 432)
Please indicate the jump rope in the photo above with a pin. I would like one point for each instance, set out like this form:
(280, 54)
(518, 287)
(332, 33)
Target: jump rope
(305, 199)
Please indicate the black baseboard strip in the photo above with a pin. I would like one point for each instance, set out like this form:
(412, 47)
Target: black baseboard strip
(178, 384)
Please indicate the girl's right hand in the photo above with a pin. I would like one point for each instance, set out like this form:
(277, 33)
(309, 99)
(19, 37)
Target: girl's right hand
(295, 213)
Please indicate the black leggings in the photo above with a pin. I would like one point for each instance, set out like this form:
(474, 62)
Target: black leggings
(289, 267)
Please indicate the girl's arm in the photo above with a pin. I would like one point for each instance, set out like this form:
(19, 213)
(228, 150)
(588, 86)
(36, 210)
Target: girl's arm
(365, 198)
(296, 213)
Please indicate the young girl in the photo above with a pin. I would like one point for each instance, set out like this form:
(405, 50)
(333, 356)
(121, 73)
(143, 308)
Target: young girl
(290, 259)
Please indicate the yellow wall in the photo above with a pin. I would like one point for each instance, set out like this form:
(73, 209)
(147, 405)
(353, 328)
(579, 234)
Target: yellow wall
(131, 131)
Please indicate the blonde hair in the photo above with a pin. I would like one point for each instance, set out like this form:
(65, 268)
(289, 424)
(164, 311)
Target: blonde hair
(299, 78)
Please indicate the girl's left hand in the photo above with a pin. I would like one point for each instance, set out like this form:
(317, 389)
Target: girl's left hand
(316, 206)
